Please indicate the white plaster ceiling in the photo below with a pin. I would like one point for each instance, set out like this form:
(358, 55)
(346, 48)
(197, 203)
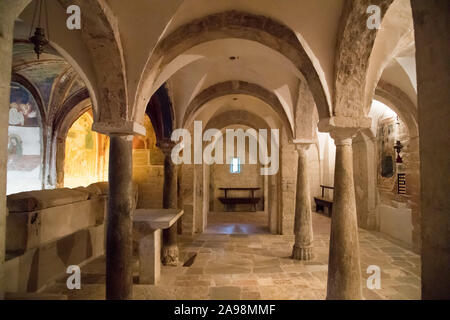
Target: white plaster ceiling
(393, 56)
(253, 63)
(238, 102)
(142, 24)
(314, 22)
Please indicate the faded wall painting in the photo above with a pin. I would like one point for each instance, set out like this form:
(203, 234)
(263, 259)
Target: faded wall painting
(24, 142)
(86, 155)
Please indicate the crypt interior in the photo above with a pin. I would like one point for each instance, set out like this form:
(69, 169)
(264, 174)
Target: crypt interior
(357, 132)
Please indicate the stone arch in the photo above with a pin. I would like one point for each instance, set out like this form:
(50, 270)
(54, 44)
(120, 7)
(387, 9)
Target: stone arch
(60, 91)
(42, 122)
(401, 104)
(398, 101)
(237, 87)
(233, 24)
(15, 77)
(236, 117)
(354, 46)
(102, 68)
(71, 110)
(272, 184)
(364, 175)
(395, 39)
(101, 35)
(161, 113)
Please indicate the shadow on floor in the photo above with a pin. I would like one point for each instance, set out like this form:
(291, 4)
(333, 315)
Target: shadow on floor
(237, 223)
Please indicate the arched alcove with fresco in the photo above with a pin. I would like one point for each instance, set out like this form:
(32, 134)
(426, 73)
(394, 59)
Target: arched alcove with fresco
(86, 154)
(25, 142)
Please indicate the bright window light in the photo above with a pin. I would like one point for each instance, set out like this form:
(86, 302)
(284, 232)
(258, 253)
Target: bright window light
(235, 166)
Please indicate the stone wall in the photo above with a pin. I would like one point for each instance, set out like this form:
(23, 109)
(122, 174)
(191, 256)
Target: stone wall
(250, 176)
(150, 179)
(379, 206)
(406, 205)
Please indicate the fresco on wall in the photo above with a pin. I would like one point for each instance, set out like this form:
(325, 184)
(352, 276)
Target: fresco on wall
(24, 142)
(86, 154)
(43, 75)
(386, 151)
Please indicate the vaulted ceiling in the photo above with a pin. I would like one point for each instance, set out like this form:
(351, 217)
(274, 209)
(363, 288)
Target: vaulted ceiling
(128, 53)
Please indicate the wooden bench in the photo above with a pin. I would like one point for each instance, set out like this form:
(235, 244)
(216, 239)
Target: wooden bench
(147, 226)
(323, 202)
(231, 202)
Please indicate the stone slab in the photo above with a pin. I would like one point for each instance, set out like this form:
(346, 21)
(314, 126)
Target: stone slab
(157, 218)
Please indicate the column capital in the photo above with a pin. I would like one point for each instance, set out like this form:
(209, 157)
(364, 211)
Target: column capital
(123, 128)
(166, 146)
(343, 136)
(328, 124)
(343, 129)
(302, 144)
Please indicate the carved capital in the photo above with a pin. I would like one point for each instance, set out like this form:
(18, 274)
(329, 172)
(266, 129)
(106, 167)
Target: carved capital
(119, 128)
(302, 145)
(343, 136)
(329, 124)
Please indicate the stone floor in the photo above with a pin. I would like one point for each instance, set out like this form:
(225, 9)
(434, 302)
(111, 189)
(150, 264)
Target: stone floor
(243, 261)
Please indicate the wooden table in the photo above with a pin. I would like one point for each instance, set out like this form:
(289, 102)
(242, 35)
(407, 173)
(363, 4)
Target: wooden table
(147, 226)
(230, 202)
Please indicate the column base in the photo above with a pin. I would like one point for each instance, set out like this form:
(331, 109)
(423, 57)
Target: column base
(170, 256)
(302, 253)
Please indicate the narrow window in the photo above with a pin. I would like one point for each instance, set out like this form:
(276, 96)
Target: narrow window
(235, 166)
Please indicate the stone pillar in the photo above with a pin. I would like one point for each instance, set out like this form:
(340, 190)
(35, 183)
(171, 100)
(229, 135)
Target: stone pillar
(119, 276)
(7, 16)
(344, 267)
(303, 230)
(431, 30)
(169, 255)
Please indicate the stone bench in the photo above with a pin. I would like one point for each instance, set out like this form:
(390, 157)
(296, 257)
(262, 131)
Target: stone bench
(323, 202)
(147, 226)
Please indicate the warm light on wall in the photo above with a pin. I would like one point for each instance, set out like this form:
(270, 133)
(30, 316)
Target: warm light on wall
(86, 155)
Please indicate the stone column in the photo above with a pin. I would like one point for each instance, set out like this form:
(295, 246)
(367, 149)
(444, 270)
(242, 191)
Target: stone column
(303, 230)
(344, 267)
(8, 12)
(169, 255)
(119, 276)
(431, 30)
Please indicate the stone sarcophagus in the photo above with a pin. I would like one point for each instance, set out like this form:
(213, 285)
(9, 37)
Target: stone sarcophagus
(39, 217)
(48, 230)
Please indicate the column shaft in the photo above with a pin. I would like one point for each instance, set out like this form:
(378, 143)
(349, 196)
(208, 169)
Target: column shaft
(169, 254)
(7, 17)
(119, 276)
(303, 230)
(344, 268)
